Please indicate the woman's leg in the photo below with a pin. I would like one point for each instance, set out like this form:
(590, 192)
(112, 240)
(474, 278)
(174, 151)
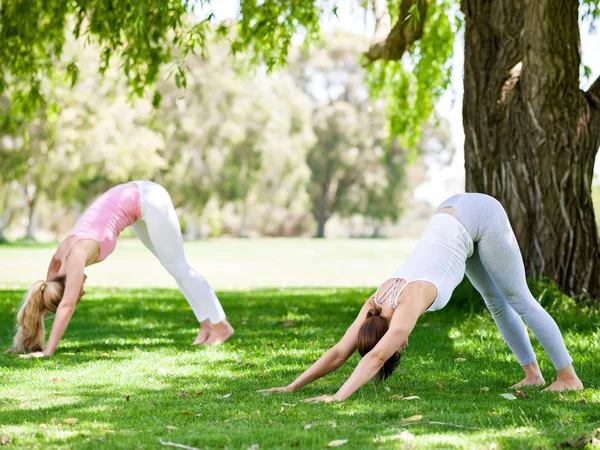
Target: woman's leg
(159, 230)
(507, 320)
(500, 255)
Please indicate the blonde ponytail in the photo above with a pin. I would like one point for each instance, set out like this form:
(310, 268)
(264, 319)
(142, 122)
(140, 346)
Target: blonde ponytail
(42, 297)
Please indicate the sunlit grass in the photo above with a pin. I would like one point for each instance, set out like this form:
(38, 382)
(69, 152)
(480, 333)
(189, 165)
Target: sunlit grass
(127, 372)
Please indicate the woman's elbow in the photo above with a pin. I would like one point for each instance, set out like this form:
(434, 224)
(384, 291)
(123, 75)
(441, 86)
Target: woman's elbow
(376, 359)
(339, 357)
(67, 307)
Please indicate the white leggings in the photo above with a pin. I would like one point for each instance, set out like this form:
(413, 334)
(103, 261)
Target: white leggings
(158, 229)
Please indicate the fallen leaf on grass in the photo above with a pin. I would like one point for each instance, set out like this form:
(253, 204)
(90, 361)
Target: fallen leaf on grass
(396, 396)
(411, 397)
(70, 421)
(54, 419)
(127, 397)
(198, 394)
(171, 427)
(387, 388)
(287, 323)
(337, 443)
(183, 394)
(281, 410)
(521, 394)
(404, 435)
(308, 426)
(57, 379)
(173, 444)
(412, 418)
(104, 355)
(438, 384)
(508, 396)
(108, 431)
(226, 396)
(485, 389)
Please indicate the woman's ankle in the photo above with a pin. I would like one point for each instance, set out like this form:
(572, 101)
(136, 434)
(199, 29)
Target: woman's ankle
(567, 373)
(532, 370)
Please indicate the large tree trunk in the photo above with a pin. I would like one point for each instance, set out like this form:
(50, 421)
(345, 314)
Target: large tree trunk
(531, 135)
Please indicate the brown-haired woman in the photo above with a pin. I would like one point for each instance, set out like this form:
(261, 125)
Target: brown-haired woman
(469, 233)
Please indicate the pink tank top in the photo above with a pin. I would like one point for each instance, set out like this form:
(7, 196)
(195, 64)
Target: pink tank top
(110, 214)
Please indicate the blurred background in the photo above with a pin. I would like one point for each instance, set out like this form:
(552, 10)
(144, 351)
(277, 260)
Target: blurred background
(306, 150)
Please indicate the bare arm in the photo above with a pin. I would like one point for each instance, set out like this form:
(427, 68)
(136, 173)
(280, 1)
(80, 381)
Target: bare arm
(53, 268)
(334, 358)
(75, 266)
(401, 326)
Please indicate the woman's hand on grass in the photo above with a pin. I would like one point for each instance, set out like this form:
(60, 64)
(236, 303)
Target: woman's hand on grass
(322, 398)
(278, 389)
(34, 355)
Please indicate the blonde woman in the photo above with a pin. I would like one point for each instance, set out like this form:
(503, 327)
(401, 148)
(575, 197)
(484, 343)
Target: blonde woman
(148, 209)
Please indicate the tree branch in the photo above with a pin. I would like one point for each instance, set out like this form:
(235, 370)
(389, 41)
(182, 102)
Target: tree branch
(388, 44)
(593, 94)
(593, 97)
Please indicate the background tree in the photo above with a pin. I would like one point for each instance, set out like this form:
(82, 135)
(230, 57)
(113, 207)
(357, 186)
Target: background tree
(240, 142)
(531, 133)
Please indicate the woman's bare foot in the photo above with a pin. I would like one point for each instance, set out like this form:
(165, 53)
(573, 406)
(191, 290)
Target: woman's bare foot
(565, 385)
(220, 333)
(204, 333)
(533, 376)
(567, 380)
(530, 381)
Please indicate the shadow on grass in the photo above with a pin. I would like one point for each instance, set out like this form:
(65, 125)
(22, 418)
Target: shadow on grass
(150, 377)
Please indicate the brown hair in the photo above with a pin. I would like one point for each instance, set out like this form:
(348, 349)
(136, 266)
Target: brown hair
(43, 296)
(369, 334)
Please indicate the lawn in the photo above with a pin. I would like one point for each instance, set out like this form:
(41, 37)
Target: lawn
(228, 263)
(127, 372)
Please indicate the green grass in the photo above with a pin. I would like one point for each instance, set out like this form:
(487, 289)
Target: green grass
(127, 356)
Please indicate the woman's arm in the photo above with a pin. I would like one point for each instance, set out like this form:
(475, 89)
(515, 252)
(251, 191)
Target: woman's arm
(75, 266)
(53, 268)
(401, 326)
(334, 358)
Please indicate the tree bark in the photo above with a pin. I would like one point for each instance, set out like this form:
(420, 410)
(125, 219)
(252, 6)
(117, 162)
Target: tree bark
(391, 44)
(531, 136)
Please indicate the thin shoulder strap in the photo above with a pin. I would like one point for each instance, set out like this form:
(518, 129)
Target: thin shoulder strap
(393, 299)
(390, 292)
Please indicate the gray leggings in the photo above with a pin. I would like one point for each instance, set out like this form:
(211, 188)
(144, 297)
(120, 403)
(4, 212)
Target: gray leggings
(496, 270)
